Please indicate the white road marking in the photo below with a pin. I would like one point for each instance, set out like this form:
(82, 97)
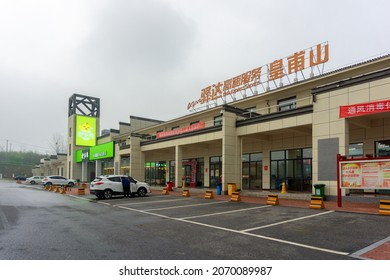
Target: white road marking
(183, 206)
(226, 212)
(151, 202)
(241, 232)
(288, 221)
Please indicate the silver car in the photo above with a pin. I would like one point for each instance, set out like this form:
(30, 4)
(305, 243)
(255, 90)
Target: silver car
(34, 180)
(57, 180)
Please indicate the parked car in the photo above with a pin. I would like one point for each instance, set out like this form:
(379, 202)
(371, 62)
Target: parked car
(57, 180)
(107, 186)
(34, 180)
(20, 178)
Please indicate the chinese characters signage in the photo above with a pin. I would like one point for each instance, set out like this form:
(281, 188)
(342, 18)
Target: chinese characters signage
(265, 77)
(364, 109)
(365, 174)
(193, 127)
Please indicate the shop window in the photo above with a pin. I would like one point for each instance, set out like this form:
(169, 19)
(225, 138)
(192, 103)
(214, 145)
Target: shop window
(251, 112)
(252, 165)
(294, 167)
(287, 104)
(356, 150)
(155, 173)
(215, 171)
(217, 120)
(382, 148)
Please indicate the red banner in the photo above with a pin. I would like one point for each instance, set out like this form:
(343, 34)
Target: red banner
(193, 127)
(364, 109)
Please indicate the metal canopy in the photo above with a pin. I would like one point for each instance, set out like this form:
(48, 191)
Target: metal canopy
(84, 105)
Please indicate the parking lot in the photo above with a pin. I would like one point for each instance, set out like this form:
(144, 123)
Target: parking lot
(339, 235)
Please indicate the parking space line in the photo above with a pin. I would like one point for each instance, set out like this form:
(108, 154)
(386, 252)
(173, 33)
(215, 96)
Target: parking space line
(183, 206)
(150, 202)
(288, 221)
(241, 232)
(225, 212)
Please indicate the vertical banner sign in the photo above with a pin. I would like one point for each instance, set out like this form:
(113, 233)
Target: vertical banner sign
(85, 131)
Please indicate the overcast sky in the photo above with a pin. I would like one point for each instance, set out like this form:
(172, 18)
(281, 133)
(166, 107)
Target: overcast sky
(149, 58)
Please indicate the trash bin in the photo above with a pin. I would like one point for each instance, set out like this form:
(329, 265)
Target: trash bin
(169, 186)
(319, 190)
(219, 189)
(231, 188)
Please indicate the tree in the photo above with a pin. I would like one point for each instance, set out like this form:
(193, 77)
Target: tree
(57, 144)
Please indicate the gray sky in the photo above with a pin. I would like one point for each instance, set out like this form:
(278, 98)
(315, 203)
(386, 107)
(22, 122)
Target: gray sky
(149, 58)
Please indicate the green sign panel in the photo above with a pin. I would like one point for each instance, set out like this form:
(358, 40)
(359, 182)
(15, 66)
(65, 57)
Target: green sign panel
(82, 155)
(105, 150)
(79, 155)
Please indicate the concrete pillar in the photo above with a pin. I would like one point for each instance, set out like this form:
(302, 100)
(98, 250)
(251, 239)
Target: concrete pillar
(84, 171)
(178, 165)
(231, 152)
(137, 159)
(98, 167)
(206, 182)
(327, 126)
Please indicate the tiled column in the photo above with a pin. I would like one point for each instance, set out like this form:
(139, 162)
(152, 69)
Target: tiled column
(178, 166)
(137, 159)
(231, 152)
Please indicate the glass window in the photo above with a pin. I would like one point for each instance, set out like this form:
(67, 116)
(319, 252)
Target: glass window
(257, 157)
(307, 153)
(355, 150)
(252, 171)
(292, 154)
(287, 104)
(217, 120)
(382, 148)
(277, 155)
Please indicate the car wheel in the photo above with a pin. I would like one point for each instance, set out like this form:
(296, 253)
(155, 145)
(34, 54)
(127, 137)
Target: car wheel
(32, 182)
(141, 192)
(107, 194)
(48, 184)
(71, 185)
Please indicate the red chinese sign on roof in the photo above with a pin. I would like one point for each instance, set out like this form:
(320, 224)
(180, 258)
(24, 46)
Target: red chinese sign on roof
(364, 109)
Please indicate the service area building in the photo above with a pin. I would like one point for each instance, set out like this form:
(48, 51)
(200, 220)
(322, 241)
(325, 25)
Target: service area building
(256, 130)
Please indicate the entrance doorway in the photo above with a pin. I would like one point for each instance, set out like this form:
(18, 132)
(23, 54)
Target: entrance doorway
(294, 167)
(215, 171)
(252, 174)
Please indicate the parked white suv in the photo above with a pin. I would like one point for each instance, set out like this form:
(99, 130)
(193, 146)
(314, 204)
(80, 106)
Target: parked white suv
(57, 180)
(107, 186)
(34, 180)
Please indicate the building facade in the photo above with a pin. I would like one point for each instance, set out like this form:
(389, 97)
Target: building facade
(289, 134)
